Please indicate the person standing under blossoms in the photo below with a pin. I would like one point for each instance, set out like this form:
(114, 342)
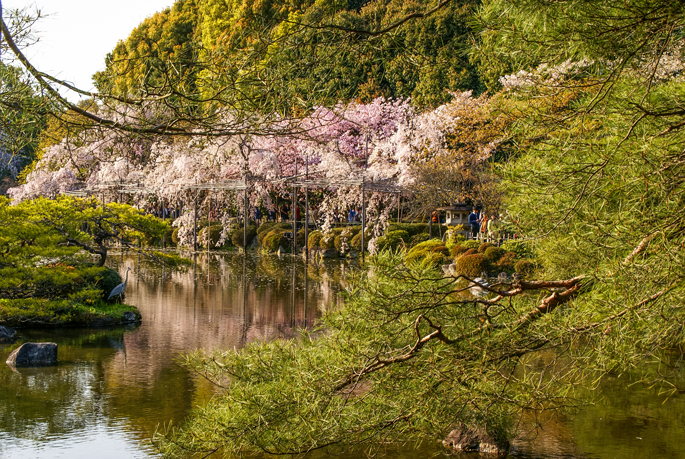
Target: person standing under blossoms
(474, 219)
(494, 228)
(351, 216)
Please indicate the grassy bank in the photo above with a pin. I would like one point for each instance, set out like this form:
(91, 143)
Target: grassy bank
(33, 312)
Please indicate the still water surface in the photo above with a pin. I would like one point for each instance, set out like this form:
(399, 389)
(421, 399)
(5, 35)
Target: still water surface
(114, 386)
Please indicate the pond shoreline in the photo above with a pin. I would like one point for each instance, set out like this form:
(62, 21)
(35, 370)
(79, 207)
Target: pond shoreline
(42, 314)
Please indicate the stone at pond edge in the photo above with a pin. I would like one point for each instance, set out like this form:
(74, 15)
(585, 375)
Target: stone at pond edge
(129, 317)
(474, 440)
(7, 334)
(30, 354)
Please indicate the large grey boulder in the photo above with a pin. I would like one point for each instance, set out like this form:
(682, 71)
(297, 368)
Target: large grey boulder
(33, 354)
(464, 439)
(7, 334)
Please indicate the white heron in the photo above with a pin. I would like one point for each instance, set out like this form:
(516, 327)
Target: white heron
(119, 289)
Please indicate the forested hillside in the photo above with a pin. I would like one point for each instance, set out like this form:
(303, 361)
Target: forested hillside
(282, 51)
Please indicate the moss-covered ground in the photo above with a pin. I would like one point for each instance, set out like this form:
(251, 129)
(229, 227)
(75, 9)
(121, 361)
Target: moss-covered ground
(36, 312)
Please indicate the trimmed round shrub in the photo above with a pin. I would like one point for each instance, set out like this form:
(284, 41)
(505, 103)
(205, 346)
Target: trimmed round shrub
(418, 239)
(525, 267)
(393, 240)
(174, 236)
(434, 259)
(347, 234)
(328, 240)
(441, 249)
(457, 251)
(521, 248)
(169, 236)
(412, 228)
(494, 253)
(507, 261)
(472, 265)
(470, 252)
(314, 239)
(237, 235)
(485, 246)
(471, 244)
(275, 239)
(356, 242)
(214, 234)
(266, 227)
(423, 250)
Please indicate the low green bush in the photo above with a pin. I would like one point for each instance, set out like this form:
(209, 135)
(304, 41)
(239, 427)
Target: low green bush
(494, 253)
(471, 244)
(346, 236)
(266, 227)
(174, 236)
(275, 239)
(393, 240)
(442, 249)
(472, 265)
(521, 248)
(356, 242)
(506, 261)
(238, 232)
(39, 311)
(328, 239)
(457, 251)
(314, 240)
(106, 280)
(485, 246)
(169, 237)
(423, 249)
(418, 239)
(525, 267)
(214, 234)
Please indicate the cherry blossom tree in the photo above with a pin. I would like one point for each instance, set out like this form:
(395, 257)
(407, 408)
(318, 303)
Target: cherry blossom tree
(378, 142)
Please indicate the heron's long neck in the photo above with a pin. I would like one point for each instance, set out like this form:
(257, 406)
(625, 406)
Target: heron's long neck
(126, 277)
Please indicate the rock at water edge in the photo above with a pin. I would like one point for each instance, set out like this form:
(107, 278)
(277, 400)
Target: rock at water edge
(30, 354)
(7, 334)
(474, 440)
(129, 317)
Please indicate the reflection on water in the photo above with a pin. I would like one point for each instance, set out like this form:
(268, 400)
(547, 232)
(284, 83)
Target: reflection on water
(113, 386)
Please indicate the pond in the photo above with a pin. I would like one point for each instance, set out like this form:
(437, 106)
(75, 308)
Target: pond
(114, 386)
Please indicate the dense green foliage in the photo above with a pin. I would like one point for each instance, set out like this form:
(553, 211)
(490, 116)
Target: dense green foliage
(593, 172)
(392, 379)
(594, 175)
(47, 274)
(393, 240)
(163, 46)
(241, 234)
(52, 313)
(275, 53)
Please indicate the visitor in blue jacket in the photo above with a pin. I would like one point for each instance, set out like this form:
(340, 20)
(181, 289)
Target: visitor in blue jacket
(474, 218)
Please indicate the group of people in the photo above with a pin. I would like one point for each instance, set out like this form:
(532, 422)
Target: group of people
(354, 215)
(164, 212)
(481, 223)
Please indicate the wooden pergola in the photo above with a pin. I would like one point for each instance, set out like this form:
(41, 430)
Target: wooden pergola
(296, 182)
